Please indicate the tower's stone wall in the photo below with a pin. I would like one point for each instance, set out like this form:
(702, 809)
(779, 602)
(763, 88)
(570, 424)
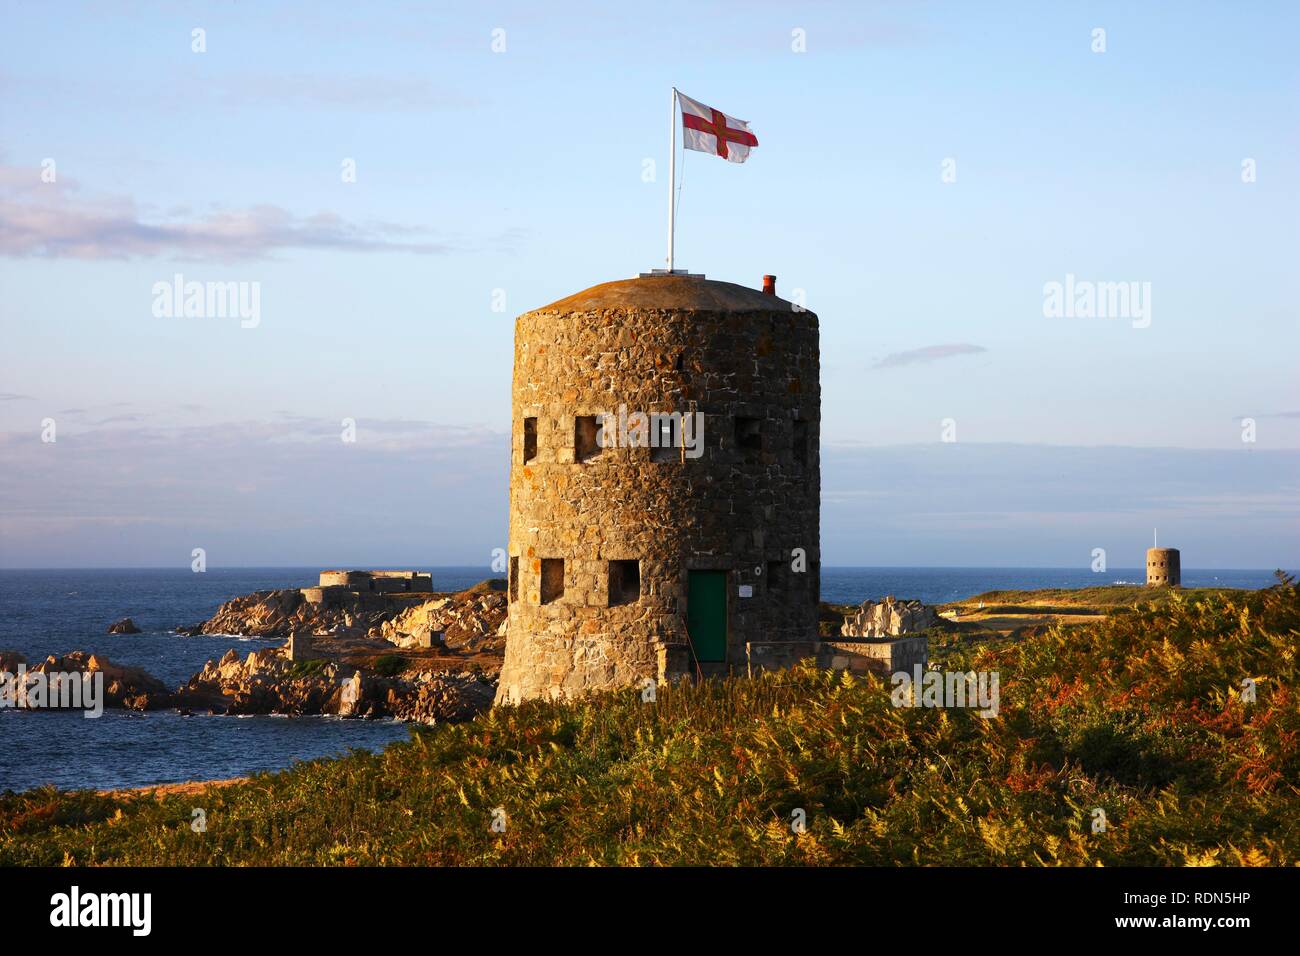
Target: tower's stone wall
(1164, 567)
(749, 364)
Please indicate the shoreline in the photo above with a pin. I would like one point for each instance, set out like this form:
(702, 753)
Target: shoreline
(161, 790)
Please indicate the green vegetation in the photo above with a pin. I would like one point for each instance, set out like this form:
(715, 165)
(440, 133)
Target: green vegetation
(1139, 714)
(1072, 600)
(308, 668)
(389, 665)
(831, 617)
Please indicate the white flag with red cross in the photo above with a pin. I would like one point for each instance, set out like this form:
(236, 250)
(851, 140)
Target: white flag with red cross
(713, 131)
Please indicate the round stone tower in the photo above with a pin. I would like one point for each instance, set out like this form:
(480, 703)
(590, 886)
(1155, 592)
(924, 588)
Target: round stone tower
(1164, 568)
(664, 484)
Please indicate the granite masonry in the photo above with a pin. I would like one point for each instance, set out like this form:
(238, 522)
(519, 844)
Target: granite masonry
(1164, 568)
(340, 585)
(664, 484)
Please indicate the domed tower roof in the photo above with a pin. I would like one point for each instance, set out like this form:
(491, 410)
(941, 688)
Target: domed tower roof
(670, 294)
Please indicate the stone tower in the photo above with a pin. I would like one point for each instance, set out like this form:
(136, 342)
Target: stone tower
(1164, 568)
(664, 483)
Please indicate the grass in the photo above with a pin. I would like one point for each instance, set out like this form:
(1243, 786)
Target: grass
(1072, 600)
(1139, 715)
(308, 668)
(389, 665)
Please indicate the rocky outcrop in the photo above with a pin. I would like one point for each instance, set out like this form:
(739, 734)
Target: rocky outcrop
(286, 611)
(470, 621)
(126, 687)
(265, 682)
(473, 621)
(338, 657)
(271, 614)
(124, 626)
(434, 697)
(889, 618)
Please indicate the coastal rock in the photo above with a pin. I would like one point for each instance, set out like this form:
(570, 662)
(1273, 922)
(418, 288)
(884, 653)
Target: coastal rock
(260, 614)
(442, 697)
(9, 661)
(889, 618)
(282, 612)
(472, 621)
(352, 696)
(124, 626)
(127, 687)
(338, 657)
(469, 622)
(266, 682)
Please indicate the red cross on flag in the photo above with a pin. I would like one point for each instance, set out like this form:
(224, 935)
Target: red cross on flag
(712, 131)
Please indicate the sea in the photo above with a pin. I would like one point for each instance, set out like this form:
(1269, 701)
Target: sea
(45, 612)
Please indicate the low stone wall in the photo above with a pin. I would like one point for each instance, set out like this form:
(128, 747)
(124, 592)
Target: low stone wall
(879, 656)
(377, 581)
(299, 648)
(883, 656)
(341, 597)
(327, 596)
(778, 655)
(357, 580)
(402, 581)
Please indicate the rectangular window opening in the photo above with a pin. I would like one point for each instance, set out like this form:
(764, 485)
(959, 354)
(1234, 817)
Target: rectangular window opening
(749, 435)
(665, 437)
(530, 439)
(585, 443)
(552, 579)
(624, 582)
(514, 580)
(801, 443)
(775, 575)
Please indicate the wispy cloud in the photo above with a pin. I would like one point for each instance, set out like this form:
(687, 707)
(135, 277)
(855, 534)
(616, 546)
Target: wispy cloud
(253, 492)
(292, 490)
(15, 397)
(1019, 505)
(931, 353)
(51, 221)
(370, 93)
(244, 91)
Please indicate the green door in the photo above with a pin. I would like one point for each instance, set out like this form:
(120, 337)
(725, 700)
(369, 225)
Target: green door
(706, 614)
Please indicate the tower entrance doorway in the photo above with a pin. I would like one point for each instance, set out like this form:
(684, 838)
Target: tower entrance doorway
(706, 614)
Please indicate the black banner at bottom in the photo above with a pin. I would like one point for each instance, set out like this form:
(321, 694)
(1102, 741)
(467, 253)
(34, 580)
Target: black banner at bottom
(330, 905)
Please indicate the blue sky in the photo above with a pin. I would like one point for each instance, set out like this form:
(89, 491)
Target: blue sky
(522, 171)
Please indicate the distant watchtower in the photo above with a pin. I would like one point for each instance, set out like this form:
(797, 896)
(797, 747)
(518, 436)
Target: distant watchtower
(664, 484)
(1164, 568)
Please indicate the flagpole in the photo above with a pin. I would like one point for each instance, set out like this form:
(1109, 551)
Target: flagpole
(672, 172)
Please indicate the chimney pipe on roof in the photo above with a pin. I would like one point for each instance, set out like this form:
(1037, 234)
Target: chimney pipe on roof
(769, 285)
